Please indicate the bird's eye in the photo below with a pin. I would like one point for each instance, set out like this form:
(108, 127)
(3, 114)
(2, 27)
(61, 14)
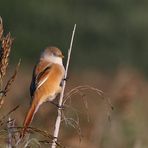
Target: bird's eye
(54, 54)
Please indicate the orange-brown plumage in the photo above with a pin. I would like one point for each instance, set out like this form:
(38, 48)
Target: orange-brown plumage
(46, 80)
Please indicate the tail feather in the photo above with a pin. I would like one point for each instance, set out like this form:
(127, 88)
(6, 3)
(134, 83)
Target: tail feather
(29, 118)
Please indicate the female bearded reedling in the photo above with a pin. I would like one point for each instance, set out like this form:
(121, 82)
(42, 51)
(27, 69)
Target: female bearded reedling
(47, 77)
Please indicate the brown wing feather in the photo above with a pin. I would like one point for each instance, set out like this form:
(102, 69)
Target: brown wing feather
(40, 74)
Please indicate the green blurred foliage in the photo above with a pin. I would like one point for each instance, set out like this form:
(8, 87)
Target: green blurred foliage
(109, 32)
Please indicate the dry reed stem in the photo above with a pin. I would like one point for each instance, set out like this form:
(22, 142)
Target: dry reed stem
(58, 120)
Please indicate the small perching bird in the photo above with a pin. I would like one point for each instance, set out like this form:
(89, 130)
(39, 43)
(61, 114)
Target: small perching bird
(47, 77)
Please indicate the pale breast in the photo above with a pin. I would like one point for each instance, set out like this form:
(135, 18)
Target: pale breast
(51, 86)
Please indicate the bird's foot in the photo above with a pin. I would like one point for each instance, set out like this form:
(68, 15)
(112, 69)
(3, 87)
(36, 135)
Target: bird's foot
(57, 105)
(65, 79)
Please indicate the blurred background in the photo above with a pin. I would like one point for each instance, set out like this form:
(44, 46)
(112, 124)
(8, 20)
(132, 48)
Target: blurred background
(110, 53)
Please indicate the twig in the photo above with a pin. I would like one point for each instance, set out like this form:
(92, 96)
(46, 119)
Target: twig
(8, 85)
(4, 117)
(58, 120)
(11, 80)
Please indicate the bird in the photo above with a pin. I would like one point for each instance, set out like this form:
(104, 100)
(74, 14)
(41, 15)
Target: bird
(47, 78)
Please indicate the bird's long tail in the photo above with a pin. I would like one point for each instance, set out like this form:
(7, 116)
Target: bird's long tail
(29, 117)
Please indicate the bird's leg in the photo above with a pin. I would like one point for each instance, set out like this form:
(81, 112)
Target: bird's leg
(57, 105)
(65, 79)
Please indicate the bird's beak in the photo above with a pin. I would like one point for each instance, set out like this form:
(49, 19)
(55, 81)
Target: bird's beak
(61, 56)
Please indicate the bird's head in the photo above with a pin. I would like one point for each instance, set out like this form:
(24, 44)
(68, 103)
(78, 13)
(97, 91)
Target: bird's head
(52, 54)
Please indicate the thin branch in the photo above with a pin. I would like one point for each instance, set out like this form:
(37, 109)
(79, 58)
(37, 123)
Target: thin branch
(8, 85)
(58, 120)
(5, 116)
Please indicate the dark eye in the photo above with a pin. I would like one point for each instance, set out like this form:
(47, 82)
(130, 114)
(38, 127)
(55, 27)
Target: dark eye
(54, 54)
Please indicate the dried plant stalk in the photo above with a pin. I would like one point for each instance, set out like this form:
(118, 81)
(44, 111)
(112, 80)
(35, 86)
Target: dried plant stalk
(58, 120)
(4, 54)
(5, 48)
(9, 83)
(11, 80)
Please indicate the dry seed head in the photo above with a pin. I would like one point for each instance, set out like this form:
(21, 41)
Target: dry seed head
(4, 53)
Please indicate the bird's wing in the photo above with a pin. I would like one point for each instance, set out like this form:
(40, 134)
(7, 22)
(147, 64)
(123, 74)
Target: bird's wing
(40, 75)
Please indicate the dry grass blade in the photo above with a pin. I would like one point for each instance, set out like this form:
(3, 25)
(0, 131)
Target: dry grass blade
(32, 143)
(43, 133)
(49, 143)
(11, 80)
(9, 83)
(73, 121)
(79, 89)
(1, 28)
(5, 116)
(4, 121)
(75, 124)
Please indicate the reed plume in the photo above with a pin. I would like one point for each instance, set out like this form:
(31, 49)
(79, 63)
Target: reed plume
(6, 43)
(5, 48)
